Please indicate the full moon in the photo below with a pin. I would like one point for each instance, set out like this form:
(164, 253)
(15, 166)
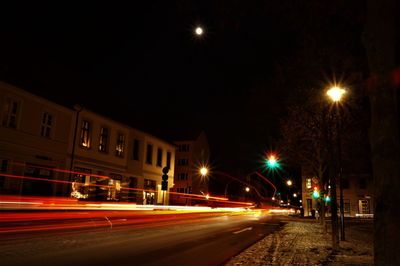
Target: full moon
(199, 31)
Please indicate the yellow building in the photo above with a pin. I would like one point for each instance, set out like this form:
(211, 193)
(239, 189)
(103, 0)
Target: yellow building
(112, 161)
(357, 195)
(34, 136)
(47, 149)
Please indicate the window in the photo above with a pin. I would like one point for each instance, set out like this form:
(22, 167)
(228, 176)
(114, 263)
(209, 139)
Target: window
(183, 147)
(169, 159)
(159, 157)
(47, 122)
(363, 183)
(10, 113)
(364, 206)
(308, 183)
(149, 154)
(183, 162)
(81, 183)
(103, 140)
(135, 150)
(85, 134)
(119, 148)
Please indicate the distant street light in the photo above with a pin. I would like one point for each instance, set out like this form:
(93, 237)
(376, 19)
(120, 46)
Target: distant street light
(273, 198)
(336, 94)
(203, 171)
(289, 182)
(294, 195)
(247, 189)
(199, 31)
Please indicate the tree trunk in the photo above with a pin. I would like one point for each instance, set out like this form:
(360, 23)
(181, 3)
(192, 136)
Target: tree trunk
(379, 40)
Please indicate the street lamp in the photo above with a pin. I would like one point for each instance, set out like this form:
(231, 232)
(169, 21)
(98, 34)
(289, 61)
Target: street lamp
(289, 183)
(336, 94)
(247, 189)
(203, 171)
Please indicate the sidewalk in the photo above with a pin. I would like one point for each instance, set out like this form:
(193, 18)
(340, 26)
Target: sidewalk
(302, 242)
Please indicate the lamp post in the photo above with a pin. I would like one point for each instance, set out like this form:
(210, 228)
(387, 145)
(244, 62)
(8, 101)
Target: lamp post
(336, 93)
(289, 183)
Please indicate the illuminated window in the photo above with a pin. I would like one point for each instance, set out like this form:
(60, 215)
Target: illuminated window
(47, 123)
(119, 148)
(159, 157)
(10, 113)
(85, 134)
(308, 183)
(169, 159)
(136, 149)
(149, 154)
(103, 140)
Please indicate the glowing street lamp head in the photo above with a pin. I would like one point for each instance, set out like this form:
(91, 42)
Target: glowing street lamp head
(203, 171)
(294, 195)
(247, 189)
(199, 31)
(289, 182)
(336, 93)
(273, 198)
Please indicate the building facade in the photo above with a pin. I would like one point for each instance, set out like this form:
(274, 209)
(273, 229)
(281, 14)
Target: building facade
(34, 138)
(191, 154)
(47, 150)
(357, 195)
(114, 162)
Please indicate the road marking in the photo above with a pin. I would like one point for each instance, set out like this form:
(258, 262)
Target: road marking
(108, 221)
(245, 229)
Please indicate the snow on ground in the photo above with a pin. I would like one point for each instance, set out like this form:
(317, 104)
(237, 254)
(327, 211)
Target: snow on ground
(302, 242)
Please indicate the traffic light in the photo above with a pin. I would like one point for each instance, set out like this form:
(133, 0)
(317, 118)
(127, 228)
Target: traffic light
(164, 185)
(164, 182)
(272, 162)
(315, 193)
(327, 199)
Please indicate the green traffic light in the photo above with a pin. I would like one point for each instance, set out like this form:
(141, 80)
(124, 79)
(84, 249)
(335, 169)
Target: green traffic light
(327, 199)
(272, 162)
(315, 194)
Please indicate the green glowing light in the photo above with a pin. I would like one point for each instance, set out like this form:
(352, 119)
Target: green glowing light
(327, 199)
(272, 162)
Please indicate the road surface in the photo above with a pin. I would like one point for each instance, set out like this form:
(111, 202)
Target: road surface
(132, 239)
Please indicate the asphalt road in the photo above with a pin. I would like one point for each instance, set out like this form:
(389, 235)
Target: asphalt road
(188, 239)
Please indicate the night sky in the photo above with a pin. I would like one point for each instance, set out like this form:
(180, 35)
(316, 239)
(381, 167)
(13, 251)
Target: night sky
(141, 64)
